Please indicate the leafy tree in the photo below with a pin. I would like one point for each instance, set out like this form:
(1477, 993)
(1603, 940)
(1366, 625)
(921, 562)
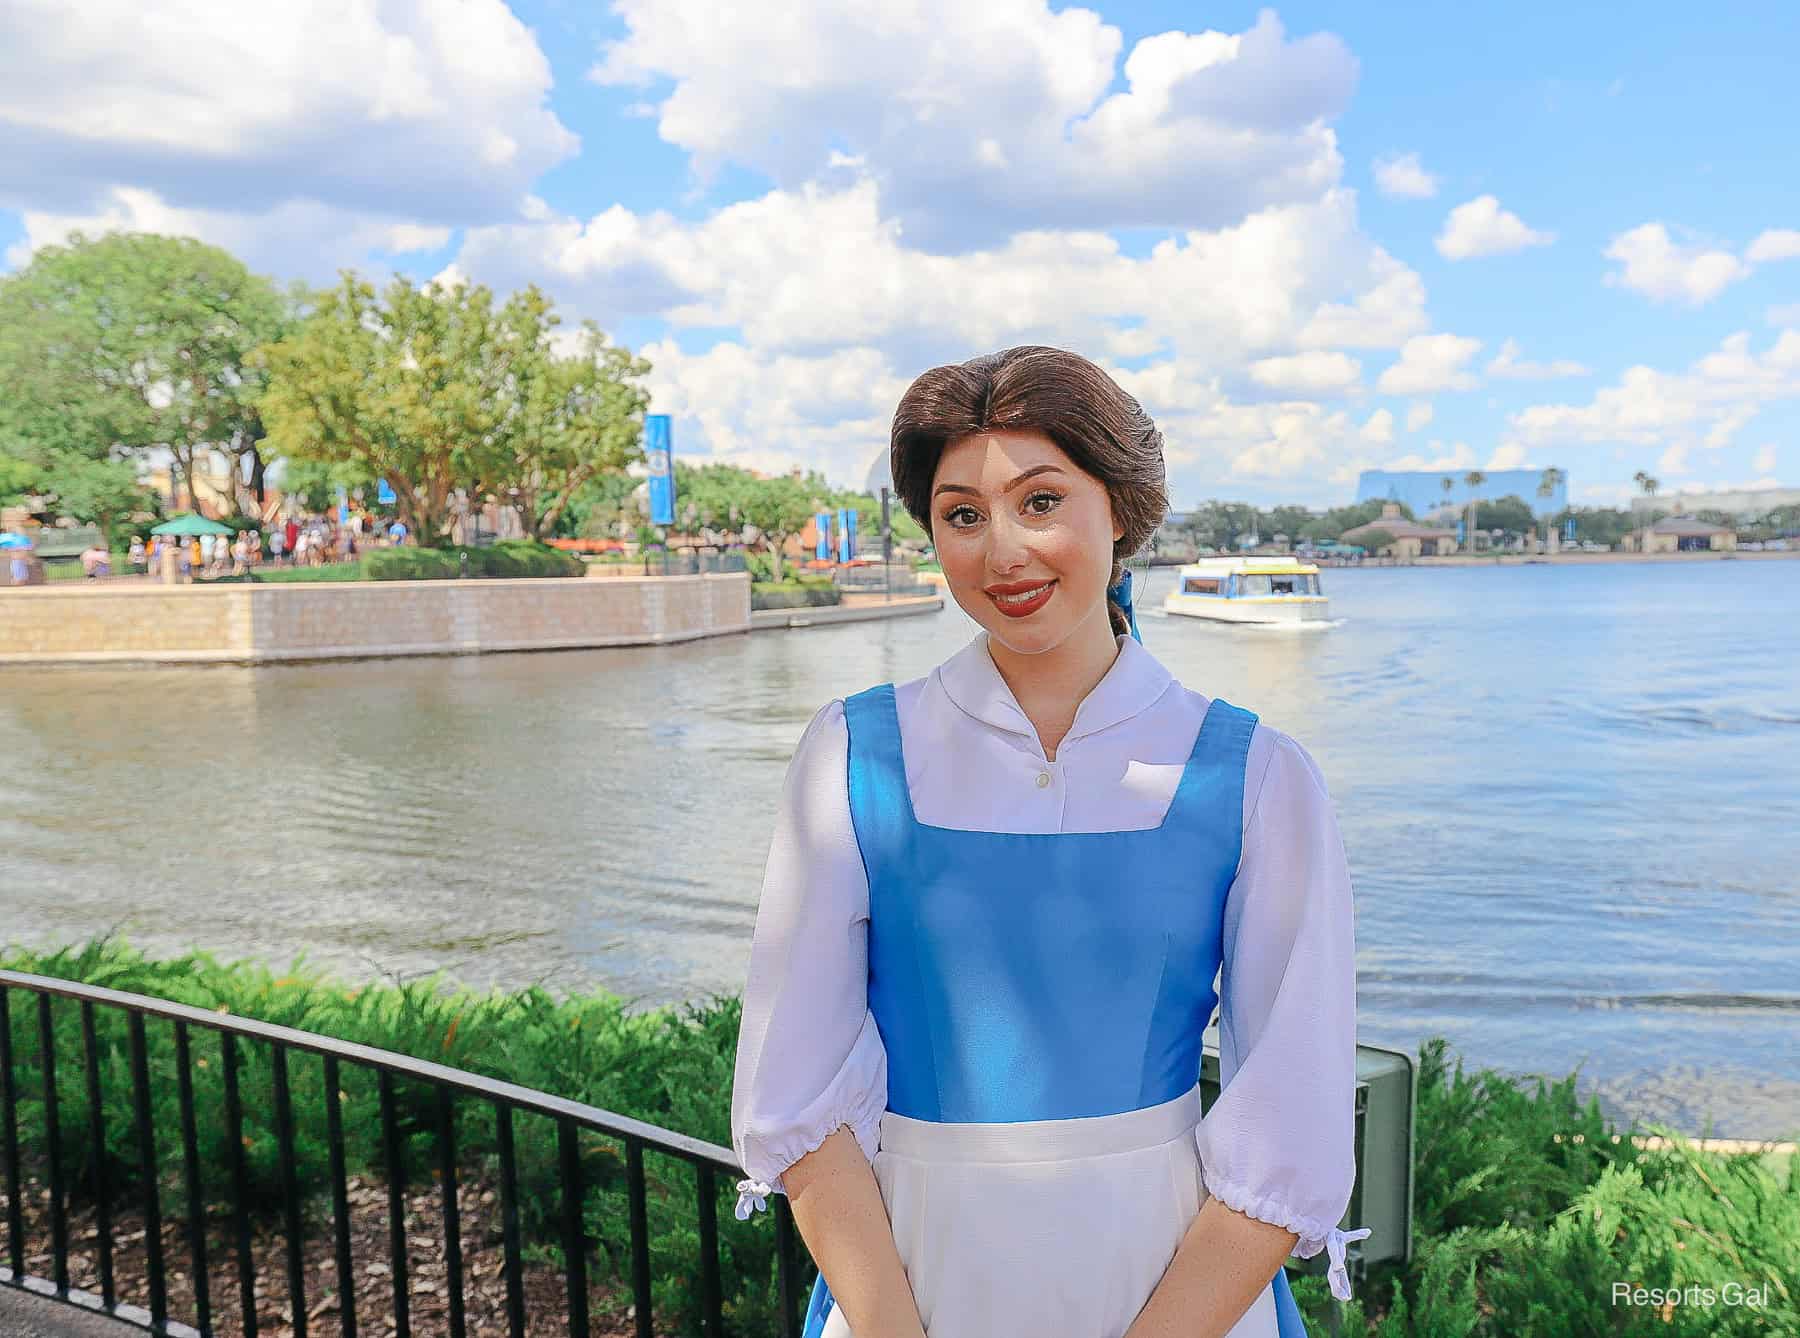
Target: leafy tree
(113, 346)
(1647, 484)
(779, 508)
(601, 507)
(1474, 478)
(316, 482)
(1510, 514)
(441, 390)
(1548, 483)
(573, 419)
(1335, 521)
(414, 385)
(1598, 524)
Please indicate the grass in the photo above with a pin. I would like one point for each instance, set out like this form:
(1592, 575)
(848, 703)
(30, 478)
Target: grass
(1529, 1205)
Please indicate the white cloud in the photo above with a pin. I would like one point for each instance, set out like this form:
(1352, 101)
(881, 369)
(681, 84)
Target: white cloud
(1418, 414)
(1508, 365)
(1784, 315)
(1402, 177)
(1316, 373)
(322, 237)
(1379, 429)
(1705, 405)
(1507, 455)
(1430, 363)
(1775, 244)
(980, 120)
(1382, 316)
(410, 111)
(743, 406)
(1764, 460)
(824, 267)
(1656, 266)
(1673, 460)
(1482, 228)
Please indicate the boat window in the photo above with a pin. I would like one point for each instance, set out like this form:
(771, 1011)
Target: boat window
(1253, 585)
(1283, 585)
(1201, 585)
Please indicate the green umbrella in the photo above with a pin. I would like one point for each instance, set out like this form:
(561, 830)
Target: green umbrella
(189, 523)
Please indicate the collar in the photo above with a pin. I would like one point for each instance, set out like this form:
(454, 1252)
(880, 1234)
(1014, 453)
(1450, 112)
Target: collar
(972, 680)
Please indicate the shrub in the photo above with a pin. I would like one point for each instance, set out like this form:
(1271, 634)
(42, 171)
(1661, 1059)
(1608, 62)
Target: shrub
(411, 564)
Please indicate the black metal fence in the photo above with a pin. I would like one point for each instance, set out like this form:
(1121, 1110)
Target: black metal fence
(451, 1087)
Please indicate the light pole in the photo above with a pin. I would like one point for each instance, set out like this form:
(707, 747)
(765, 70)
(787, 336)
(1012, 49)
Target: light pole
(887, 549)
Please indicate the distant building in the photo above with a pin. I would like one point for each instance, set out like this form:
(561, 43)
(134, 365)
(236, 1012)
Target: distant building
(1744, 503)
(1409, 540)
(1423, 489)
(1681, 534)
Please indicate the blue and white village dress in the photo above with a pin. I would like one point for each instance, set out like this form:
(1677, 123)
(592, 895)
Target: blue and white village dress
(995, 967)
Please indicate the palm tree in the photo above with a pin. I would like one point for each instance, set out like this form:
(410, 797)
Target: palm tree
(1647, 484)
(1447, 484)
(1548, 483)
(1474, 478)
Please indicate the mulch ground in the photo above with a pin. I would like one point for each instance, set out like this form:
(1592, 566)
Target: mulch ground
(484, 1281)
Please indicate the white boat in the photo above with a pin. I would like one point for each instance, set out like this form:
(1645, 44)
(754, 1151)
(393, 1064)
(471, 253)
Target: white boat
(1249, 589)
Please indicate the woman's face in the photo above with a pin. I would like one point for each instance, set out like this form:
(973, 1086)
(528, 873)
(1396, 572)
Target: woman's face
(1011, 510)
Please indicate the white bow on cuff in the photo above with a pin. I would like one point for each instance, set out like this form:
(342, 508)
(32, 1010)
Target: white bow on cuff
(1339, 1274)
(751, 1191)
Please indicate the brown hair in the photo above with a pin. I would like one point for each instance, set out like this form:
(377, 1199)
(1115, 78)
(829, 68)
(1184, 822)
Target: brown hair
(1034, 388)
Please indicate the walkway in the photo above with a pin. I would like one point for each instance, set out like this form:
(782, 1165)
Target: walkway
(25, 1316)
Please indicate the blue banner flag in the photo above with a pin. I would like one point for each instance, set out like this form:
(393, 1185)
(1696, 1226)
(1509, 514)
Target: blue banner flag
(659, 455)
(384, 495)
(822, 528)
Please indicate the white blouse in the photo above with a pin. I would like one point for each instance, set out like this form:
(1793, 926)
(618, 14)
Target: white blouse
(1278, 1142)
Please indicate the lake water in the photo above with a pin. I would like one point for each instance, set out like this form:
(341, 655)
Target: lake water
(1570, 796)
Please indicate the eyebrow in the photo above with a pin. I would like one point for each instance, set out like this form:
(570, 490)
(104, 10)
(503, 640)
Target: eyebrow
(976, 492)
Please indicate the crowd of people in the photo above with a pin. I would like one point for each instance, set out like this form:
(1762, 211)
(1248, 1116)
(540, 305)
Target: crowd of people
(299, 541)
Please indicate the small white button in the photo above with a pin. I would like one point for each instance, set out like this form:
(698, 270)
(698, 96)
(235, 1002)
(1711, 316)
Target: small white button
(1043, 779)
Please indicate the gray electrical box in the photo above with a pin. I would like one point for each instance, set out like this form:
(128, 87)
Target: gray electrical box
(1382, 1198)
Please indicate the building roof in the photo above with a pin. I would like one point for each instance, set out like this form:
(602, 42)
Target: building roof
(1687, 525)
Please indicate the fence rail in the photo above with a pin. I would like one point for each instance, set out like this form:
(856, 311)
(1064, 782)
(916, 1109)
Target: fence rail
(450, 1086)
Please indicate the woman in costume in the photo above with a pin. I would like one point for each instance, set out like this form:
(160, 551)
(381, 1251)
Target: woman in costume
(992, 916)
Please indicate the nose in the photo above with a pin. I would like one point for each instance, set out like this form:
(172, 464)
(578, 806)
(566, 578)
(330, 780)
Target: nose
(1008, 547)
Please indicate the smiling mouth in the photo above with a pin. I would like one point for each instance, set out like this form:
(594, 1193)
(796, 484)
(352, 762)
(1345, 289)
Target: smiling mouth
(1024, 598)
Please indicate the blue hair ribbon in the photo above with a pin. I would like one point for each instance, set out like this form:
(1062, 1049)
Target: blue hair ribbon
(1120, 594)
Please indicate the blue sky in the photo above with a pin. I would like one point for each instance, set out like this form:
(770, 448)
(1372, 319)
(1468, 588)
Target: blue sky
(1584, 250)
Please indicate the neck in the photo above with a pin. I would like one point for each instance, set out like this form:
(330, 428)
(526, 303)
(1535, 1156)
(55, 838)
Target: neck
(1050, 685)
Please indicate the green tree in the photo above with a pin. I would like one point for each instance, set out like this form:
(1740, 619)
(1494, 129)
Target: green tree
(113, 346)
(1548, 482)
(416, 386)
(1647, 484)
(779, 508)
(574, 418)
(1474, 478)
(1335, 521)
(1510, 514)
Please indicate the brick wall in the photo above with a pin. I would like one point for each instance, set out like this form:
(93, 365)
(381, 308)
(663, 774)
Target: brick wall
(343, 619)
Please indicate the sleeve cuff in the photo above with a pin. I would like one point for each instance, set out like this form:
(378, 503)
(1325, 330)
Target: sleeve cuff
(1314, 1234)
(753, 1192)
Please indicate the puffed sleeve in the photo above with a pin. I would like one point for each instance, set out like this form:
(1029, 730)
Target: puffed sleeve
(809, 1056)
(1279, 1142)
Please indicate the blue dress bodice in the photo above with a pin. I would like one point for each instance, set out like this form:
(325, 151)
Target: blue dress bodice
(1043, 976)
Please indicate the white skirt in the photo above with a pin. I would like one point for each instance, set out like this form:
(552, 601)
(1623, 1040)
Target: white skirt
(1054, 1228)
